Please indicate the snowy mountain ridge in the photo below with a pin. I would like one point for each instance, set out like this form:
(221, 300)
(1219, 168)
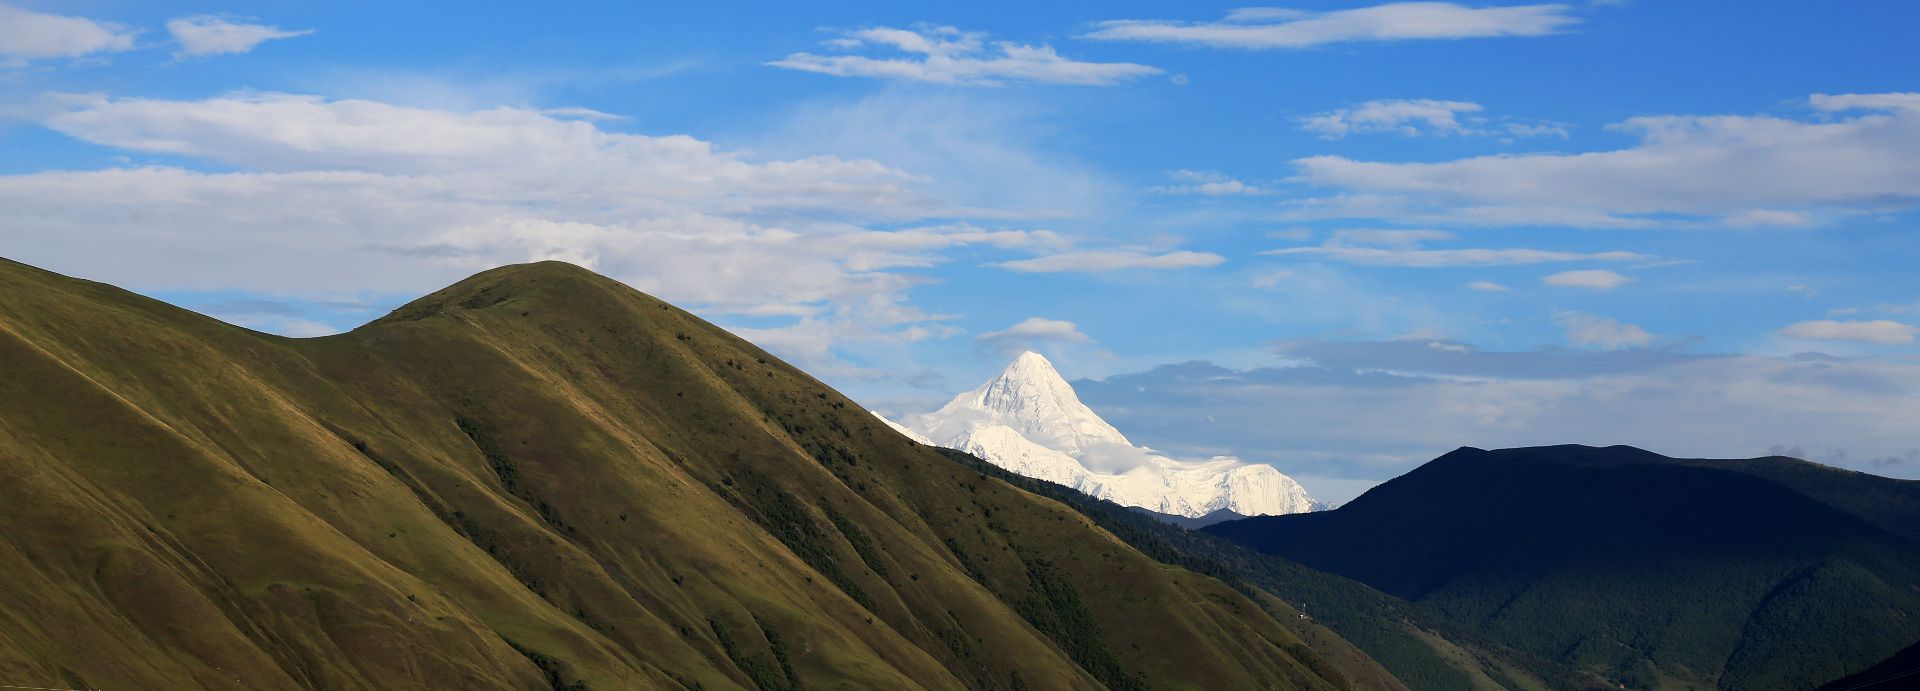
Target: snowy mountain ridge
(1029, 420)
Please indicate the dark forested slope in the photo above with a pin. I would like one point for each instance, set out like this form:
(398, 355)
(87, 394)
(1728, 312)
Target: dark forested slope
(1649, 570)
(1416, 648)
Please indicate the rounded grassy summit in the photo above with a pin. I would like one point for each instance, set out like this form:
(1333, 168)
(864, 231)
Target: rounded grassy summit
(538, 478)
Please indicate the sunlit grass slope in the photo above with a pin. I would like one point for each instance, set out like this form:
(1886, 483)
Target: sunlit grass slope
(536, 478)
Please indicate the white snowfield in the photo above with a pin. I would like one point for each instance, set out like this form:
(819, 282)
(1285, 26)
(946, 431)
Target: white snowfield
(910, 434)
(1029, 421)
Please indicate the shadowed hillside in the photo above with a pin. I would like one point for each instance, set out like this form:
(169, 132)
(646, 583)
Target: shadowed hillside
(1656, 572)
(1412, 647)
(538, 479)
(1897, 672)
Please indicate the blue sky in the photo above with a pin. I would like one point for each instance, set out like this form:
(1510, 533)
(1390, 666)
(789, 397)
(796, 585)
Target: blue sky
(1386, 229)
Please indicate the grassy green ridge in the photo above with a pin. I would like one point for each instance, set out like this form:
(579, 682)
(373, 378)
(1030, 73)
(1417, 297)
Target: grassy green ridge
(537, 479)
(1648, 571)
(1404, 646)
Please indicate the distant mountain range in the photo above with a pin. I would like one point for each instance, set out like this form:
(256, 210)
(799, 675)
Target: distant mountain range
(539, 478)
(1421, 651)
(1652, 572)
(1189, 523)
(1028, 420)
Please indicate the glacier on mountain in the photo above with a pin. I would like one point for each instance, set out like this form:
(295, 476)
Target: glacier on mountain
(1029, 421)
(904, 430)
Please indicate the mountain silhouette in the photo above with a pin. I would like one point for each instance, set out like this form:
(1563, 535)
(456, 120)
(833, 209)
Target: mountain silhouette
(1751, 574)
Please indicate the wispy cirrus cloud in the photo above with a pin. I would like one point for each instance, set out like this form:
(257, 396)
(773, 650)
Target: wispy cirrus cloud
(26, 35)
(206, 35)
(532, 153)
(1401, 238)
(1373, 409)
(1030, 333)
(1860, 153)
(396, 199)
(1589, 331)
(1264, 28)
(1207, 183)
(1877, 331)
(308, 194)
(1590, 279)
(947, 55)
(1090, 261)
(1435, 258)
(1419, 117)
(1405, 248)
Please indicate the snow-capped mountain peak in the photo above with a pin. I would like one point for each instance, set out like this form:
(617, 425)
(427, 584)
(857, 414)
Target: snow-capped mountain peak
(1031, 397)
(1028, 420)
(1029, 379)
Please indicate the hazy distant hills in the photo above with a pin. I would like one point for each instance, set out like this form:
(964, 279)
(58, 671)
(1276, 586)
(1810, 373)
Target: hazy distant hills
(1220, 516)
(540, 479)
(1767, 573)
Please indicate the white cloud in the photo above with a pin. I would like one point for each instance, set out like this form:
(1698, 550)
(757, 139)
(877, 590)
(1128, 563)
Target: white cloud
(1591, 279)
(1386, 237)
(993, 156)
(321, 230)
(581, 114)
(1270, 279)
(1268, 28)
(1766, 218)
(808, 343)
(1319, 421)
(946, 55)
(1487, 287)
(204, 35)
(294, 328)
(1586, 330)
(1413, 209)
(1113, 260)
(1031, 333)
(1511, 130)
(398, 199)
(1388, 247)
(1887, 101)
(1416, 117)
(1862, 155)
(394, 199)
(811, 343)
(290, 318)
(1433, 258)
(1390, 116)
(27, 35)
(1880, 331)
(509, 152)
(1039, 328)
(1208, 184)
